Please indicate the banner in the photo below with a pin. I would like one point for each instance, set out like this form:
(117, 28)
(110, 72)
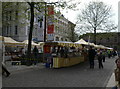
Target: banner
(50, 10)
(50, 29)
(50, 23)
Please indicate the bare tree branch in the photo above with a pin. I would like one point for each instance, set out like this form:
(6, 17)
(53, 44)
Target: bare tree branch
(96, 17)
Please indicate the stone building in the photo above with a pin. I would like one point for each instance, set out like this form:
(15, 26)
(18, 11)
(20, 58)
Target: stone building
(111, 39)
(61, 28)
(72, 35)
(16, 23)
(16, 19)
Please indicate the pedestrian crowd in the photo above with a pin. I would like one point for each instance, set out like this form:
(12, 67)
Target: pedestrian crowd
(100, 55)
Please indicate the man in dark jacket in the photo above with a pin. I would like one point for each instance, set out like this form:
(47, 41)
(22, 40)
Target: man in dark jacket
(91, 54)
(35, 53)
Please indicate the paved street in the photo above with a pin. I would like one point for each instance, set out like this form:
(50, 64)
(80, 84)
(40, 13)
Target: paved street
(75, 76)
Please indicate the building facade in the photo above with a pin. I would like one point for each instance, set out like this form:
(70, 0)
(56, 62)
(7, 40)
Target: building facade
(72, 35)
(111, 39)
(61, 28)
(16, 23)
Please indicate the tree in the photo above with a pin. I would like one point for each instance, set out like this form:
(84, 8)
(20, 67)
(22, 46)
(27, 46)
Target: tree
(31, 27)
(33, 5)
(94, 18)
(40, 7)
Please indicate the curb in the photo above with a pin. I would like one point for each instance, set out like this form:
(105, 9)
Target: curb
(111, 82)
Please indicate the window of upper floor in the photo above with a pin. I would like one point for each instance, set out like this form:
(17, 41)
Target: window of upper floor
(16, 30)
(16, 15)
(108, 39)
(115, 39)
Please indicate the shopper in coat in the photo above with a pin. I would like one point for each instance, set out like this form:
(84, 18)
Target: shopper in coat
(35, 53)
(91, 54)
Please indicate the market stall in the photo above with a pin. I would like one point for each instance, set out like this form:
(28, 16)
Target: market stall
(62, 54)
(11, 48)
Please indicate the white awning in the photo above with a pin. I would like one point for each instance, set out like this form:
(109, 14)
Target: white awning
(33, 43)
(9, 41)
(81, 41)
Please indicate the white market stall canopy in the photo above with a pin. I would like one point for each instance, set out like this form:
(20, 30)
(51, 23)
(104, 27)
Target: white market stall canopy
(109, 48)
(91, 44)
(81, 41)
(33, 43)
(102, 47)
(41, 43)
(63, 43)
(8, 41)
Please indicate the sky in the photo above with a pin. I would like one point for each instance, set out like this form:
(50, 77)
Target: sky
(72, 15)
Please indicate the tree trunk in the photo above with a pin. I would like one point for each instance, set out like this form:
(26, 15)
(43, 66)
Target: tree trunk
(31, 29)
(94, 35)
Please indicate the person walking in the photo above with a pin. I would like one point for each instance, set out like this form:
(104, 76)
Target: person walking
(4, 70)
(62, 52)
(103, 55)
(91, 55)
(100, 58)
(109, 53)
(35, 53)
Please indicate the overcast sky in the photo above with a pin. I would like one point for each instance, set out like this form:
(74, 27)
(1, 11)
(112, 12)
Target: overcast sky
(71, 15)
